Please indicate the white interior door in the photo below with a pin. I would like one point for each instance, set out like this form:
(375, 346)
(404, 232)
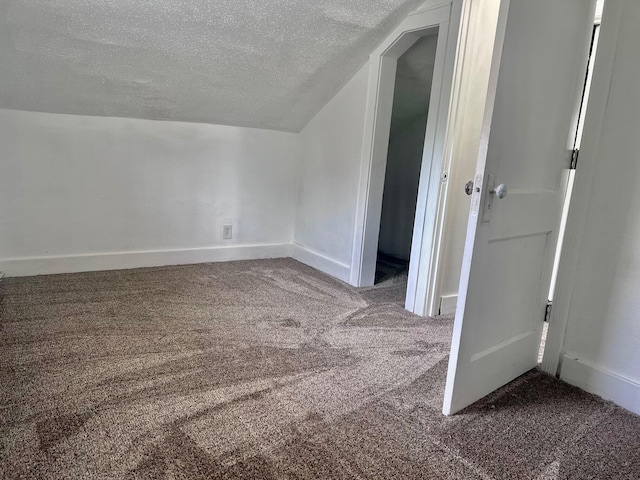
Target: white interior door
(539, 56)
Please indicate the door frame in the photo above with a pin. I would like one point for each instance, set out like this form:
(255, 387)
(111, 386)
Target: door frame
(578, 208)
(429, 219)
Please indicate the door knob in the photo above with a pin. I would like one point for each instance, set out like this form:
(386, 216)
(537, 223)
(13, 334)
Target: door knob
(500, 191)
(468, 187)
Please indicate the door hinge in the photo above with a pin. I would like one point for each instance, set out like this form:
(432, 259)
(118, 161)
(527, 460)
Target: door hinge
(574, 159)
(547, 312)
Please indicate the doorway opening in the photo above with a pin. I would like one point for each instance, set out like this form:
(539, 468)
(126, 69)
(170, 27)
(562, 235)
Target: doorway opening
(409, 114)
(571, 175)
(420, 205)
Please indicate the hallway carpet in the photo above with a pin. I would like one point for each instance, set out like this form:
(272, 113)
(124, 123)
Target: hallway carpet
(266, 370)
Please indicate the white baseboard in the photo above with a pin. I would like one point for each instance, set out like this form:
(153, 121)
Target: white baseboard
(19, 267)
(321, 262)
(608, 385)
(448, 304)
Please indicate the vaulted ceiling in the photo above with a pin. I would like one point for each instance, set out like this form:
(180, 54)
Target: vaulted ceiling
(258, 63)
(414, 77)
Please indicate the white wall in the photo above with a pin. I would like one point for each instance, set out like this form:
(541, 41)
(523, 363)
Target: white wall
(331, 149)
(401, 190)
(77, 192)
(602, 342)
(77, 187)
(332, 146)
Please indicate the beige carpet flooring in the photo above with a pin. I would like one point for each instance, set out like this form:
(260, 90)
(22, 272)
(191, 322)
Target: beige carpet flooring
(268, 370)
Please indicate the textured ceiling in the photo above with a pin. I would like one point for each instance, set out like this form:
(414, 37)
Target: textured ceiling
(258, 63)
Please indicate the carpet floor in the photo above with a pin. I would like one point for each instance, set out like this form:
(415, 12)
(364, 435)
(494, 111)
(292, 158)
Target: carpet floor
(266, 370)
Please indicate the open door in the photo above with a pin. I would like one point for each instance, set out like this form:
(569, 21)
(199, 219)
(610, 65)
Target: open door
(539, 55)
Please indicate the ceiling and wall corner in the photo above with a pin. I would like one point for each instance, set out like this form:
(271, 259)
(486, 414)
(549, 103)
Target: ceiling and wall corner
(331, 167)
(413, 84)
(267, 64)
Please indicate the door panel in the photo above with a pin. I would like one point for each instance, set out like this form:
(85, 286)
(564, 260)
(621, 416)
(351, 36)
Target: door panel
(505, 256)
(539, 59)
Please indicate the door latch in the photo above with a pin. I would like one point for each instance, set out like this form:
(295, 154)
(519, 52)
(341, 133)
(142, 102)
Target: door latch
(468, 187)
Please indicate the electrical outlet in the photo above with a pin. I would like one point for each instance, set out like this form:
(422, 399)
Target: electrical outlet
(226, 232)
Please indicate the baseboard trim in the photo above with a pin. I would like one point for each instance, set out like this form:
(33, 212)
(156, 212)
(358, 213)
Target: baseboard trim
(321, 262)
(448, 304)
(20, 267)
(608, 385)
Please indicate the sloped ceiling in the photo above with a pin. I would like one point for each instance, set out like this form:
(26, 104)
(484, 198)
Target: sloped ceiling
(257, 63)
(412, 90)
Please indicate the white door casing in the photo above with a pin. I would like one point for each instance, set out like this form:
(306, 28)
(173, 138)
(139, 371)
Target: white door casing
(443, 15)
(538, 54)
